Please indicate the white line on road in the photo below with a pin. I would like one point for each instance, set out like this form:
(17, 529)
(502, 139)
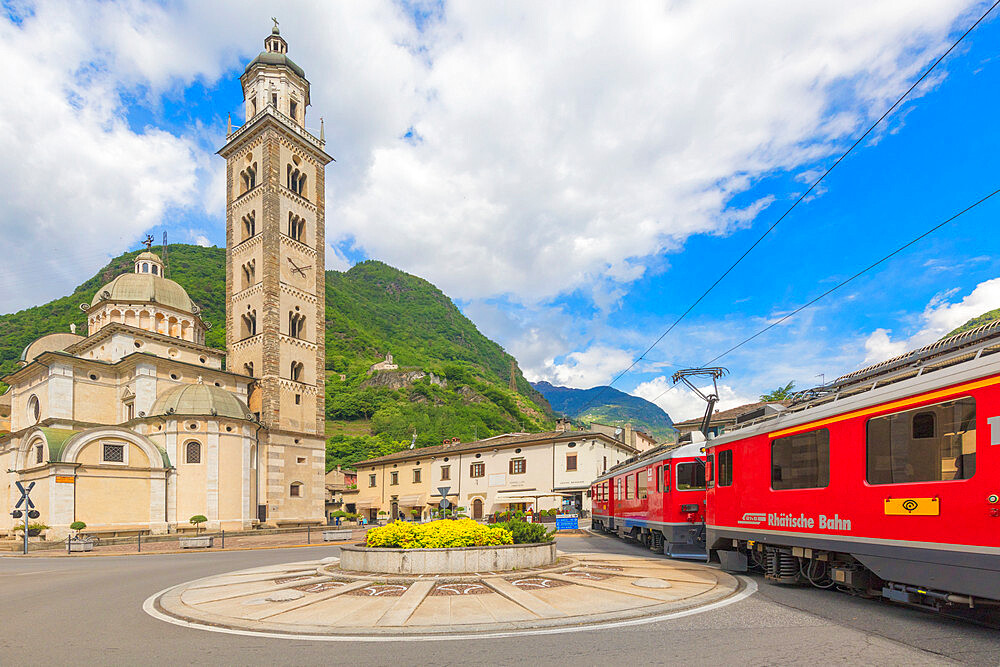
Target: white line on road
(149, 606)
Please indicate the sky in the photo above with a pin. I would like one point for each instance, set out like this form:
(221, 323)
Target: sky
(573, 174)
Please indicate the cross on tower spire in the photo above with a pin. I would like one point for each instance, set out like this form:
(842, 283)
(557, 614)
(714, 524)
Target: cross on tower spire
(148, 242)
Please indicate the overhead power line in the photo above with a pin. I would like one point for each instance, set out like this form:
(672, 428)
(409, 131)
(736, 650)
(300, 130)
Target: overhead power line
(846, 281)
(801, 197)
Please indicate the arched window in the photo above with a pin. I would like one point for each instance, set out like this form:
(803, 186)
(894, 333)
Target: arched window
(249, 273)
(155, 270)
(249, 225)
(296, 324)
(248, 178)
(296, 371)
(250, 324)
(192, 452)
(296, 227)
(248, 368)
(295, 490)
(34, 410)
(145, 267)
(295, 180)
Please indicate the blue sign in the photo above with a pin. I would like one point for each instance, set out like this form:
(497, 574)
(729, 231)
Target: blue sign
(568, 522)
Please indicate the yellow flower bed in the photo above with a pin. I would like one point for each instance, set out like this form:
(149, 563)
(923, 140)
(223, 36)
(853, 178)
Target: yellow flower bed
(437, 535)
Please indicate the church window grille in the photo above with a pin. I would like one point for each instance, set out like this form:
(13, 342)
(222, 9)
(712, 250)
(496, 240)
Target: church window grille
(38, 454)
(112, 453)
(192, 452)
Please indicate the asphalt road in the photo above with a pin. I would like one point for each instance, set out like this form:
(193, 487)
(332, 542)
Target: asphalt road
(89, 611)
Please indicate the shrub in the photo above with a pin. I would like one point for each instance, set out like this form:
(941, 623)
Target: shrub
(31, 527)
(197, 520)
(437, 535)
(77, 525)
(526, 533)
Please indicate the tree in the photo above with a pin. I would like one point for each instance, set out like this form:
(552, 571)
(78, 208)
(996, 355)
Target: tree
(779, 394)
(197, 520)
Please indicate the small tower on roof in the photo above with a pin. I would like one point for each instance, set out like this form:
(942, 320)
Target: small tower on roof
(273, 81)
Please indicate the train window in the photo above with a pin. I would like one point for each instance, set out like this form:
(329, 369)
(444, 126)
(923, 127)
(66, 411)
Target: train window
(801, 461)
(659, 479)
(641, 483)
(710, 471)
(934, 443)
(666, 478)
(618, 489)
(629, 487)
(690, 476)
(726, 468)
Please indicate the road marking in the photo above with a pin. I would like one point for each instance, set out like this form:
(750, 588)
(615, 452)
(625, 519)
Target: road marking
(149, 606)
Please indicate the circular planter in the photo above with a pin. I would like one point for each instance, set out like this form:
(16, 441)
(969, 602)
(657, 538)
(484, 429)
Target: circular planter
(456, 560)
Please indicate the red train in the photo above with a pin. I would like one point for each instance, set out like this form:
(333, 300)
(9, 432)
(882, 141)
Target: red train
(658, 499)
(885, 483)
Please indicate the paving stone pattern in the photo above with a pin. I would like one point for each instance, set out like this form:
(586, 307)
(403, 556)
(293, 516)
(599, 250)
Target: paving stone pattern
(314, 597)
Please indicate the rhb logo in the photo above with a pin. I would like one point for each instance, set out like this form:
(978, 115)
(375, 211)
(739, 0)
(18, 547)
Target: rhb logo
(753, 518)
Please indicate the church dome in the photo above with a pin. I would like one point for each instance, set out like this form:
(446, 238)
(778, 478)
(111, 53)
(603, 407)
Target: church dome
(280, 59)
(146, 288)
(200, 399)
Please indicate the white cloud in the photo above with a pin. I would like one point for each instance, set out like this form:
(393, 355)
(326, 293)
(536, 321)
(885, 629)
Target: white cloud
(939, 317)
(681, 403)
(582, 370)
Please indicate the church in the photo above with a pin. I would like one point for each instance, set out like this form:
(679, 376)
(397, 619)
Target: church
(138, 426)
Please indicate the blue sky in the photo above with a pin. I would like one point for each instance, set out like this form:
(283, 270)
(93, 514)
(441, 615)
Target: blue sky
(573, 174)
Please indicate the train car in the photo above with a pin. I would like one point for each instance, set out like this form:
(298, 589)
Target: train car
(885, 483)
(657, 499)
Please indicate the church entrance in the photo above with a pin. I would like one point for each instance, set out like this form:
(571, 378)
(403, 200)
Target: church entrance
(477, 508)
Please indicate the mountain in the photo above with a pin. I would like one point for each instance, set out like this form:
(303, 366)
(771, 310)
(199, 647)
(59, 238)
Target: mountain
(977, 321)
(452, 381)
(613, 407)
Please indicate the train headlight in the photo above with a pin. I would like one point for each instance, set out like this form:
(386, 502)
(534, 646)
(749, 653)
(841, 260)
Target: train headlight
(993, 498)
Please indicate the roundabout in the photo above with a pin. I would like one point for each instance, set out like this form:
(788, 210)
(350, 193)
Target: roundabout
(318, 600)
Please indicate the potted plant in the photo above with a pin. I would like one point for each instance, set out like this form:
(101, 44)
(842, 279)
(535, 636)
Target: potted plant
(78, 543)
(34, 529)
(415, 513)
(198, 541)
(381, 515)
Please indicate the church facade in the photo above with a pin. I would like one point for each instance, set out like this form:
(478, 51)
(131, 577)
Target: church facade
(138, 425)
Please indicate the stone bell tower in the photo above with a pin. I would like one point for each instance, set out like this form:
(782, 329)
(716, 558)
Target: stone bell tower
(275, 282)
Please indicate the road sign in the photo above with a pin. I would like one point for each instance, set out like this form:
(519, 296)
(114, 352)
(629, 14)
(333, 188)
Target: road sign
(443, 490)
(567, 522)
(24, 495)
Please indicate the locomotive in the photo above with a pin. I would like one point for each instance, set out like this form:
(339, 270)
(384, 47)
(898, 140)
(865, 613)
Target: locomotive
(657, 499)
(884, 483)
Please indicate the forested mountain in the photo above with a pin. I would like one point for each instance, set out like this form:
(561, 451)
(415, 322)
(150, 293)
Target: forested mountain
(613, 407)
(452, 381)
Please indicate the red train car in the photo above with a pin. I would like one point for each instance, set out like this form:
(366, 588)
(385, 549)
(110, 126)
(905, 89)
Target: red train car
(658, 499)
(886, 483)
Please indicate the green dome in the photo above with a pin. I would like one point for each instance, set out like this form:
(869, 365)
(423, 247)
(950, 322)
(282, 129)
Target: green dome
(146, 288)
(200, 399)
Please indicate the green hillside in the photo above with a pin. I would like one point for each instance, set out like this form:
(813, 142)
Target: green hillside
(977, 321)
(370, 310)
(613, 407)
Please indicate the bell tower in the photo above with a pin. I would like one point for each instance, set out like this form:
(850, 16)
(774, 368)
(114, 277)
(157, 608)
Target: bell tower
(275, 281)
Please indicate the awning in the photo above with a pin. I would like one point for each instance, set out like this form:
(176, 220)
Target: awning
(411, 501)
(358, 504)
